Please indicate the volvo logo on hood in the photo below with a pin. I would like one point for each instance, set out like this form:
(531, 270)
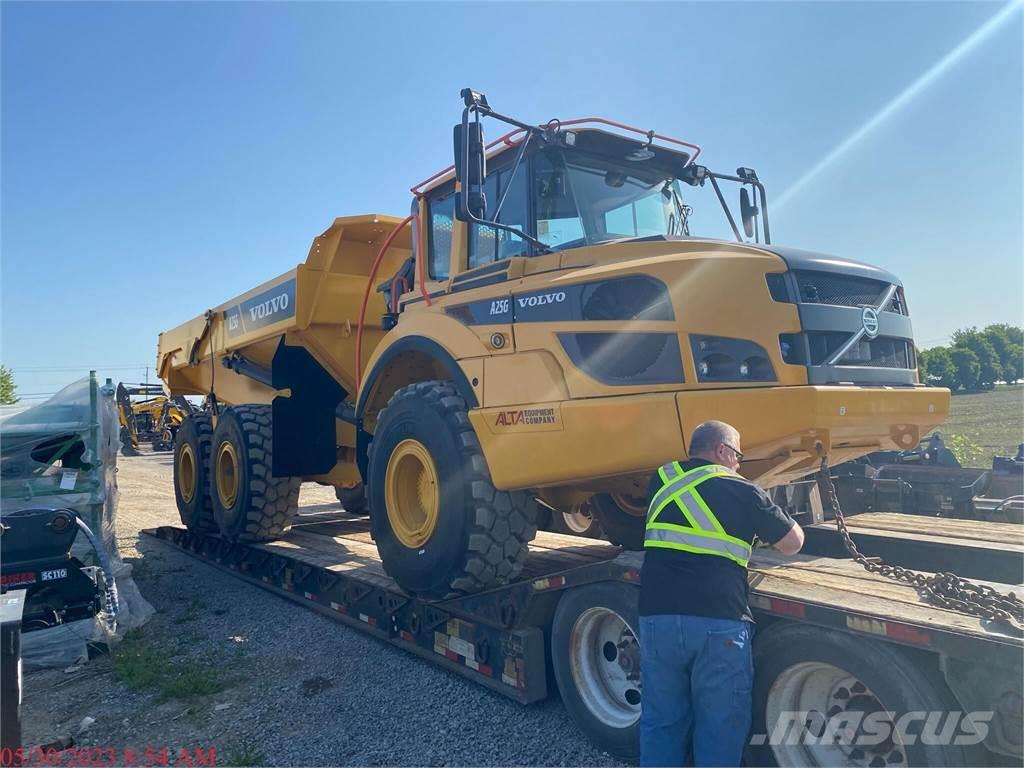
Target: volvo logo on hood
(869, 319)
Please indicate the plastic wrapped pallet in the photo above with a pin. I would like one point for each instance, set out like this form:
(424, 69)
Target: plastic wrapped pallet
(62, 453)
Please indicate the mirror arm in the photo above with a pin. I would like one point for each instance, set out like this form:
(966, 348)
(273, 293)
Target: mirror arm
(725, 205)
(764, 212)
(463, 203)
(515, 167)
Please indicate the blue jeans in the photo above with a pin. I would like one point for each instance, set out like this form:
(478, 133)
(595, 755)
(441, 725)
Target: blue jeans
(697, 675)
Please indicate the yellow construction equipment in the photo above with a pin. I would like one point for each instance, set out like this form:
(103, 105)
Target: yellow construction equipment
(154, 419)
(542, 325)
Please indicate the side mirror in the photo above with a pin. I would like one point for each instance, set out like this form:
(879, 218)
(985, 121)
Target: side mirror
(748, 212)
(470, 169)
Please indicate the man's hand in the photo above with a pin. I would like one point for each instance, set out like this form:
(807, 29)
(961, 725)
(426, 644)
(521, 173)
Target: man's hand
(791, 543)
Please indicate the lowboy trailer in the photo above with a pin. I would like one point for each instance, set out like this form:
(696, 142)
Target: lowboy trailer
(834, 643)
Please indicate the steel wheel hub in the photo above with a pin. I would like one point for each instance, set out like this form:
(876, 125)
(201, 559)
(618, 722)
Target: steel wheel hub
(834, 705)
(412, 493)
(605, 659)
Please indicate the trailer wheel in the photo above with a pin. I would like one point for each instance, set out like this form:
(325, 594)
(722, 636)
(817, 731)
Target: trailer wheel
(595, 654)
(249, 503)
(842, 698)
(191, 473)
(622, 518)
(353, 500)
(578, 520)
(440, 526)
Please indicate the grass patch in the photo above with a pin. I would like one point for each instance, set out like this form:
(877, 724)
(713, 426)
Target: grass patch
(237, 755)
(142, 666)
(985, 424)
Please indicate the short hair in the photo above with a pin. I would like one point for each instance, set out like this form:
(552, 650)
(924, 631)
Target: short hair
(709, 435)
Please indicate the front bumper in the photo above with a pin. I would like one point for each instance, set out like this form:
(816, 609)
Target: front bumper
(576, 441)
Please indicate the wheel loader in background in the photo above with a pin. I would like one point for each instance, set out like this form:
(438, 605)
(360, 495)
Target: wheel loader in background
(542, 327)
(154, 419)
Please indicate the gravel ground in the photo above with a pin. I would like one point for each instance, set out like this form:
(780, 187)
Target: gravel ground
(265, 682)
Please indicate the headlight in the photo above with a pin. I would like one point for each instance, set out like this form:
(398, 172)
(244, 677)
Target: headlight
(721, 359)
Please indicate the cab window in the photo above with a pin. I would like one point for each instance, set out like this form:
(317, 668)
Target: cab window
(558, 219)
(442, 214)
(488, 244)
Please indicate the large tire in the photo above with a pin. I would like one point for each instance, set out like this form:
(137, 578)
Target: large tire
(249, 503)
(192, 473)
(622, 519)
(447, 530)
(805, 669)
(353, 500)
(595, 654)
(579, 520)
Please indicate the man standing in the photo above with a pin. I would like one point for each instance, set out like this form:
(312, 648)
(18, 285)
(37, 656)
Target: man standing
(695, 624)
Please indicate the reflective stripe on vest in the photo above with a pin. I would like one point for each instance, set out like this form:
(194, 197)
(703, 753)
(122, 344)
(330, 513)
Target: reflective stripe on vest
(704, 535)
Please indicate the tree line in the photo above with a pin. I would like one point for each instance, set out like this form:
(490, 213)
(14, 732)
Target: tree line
(976, 359)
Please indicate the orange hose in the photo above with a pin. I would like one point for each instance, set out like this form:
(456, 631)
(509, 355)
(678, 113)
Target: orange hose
(366, 297)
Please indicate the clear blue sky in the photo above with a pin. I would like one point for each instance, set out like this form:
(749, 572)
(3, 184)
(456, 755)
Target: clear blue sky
(159, 158)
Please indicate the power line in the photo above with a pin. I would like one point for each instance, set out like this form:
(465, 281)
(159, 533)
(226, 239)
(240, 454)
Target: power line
(81, 368)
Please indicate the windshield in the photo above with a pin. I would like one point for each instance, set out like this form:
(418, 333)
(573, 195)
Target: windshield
(585, 199)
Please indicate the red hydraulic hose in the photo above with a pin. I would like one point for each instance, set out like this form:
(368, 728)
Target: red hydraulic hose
(366, 297)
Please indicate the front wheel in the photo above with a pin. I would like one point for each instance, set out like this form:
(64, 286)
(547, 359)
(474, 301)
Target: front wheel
(595, 654)
(441, 526)
(824, 698)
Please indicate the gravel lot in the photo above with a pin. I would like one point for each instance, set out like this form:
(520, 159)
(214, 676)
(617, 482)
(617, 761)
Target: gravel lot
(224, 664)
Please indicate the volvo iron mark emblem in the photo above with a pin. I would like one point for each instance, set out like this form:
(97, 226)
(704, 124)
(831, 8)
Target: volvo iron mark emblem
(869, 319)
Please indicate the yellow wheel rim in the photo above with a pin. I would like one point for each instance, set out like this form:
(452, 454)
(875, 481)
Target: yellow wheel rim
(631, 505)
(412, 493)
(227, 474)
(187, 480)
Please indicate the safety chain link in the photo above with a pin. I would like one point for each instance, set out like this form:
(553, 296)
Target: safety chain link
(944, 590)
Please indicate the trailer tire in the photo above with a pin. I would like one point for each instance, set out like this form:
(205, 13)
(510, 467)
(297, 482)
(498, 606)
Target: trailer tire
(622, 519)
(352, 500)
(796, 665)
(191, 473)
(580, 520)
(249, 503)
(592, 667)
(447, 530)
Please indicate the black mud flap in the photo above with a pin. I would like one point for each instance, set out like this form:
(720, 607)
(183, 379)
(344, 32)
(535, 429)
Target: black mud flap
(304, 424)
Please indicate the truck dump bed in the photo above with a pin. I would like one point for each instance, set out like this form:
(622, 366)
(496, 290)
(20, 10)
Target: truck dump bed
(315, 305)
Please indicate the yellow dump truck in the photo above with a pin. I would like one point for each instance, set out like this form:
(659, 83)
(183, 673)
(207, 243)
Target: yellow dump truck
(542, 326)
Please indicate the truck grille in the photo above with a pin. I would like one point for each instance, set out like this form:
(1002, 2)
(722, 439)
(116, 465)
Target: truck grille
(882, 352)
(846, 291)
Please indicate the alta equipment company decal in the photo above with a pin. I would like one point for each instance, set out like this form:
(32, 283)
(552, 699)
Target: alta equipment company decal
(548, 419)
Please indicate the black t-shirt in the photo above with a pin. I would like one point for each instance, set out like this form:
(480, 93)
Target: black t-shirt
(677, 582)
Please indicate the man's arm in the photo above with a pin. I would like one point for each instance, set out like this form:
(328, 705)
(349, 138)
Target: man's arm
(775, 527)
(792, 542)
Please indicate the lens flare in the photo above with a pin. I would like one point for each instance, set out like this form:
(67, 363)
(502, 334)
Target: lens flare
(936, 71)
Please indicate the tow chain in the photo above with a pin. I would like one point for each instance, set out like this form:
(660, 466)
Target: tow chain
(944, 590)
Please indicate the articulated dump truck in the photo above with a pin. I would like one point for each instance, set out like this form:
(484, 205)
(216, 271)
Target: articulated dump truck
(543, 328)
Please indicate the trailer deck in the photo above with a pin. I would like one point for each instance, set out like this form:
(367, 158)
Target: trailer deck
(329, 561)
(973, 549)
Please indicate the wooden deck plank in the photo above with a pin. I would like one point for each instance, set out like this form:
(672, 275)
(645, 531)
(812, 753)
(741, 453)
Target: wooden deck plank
(1003, 535)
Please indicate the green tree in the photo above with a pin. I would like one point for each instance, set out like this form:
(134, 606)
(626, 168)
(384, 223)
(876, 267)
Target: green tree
(966, 365)
(8, 390)
(1006, 340)
(989, 368)
(1013, 368)
(938, 367)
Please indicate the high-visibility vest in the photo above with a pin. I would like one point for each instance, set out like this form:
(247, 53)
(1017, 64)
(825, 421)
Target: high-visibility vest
(679, 518)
